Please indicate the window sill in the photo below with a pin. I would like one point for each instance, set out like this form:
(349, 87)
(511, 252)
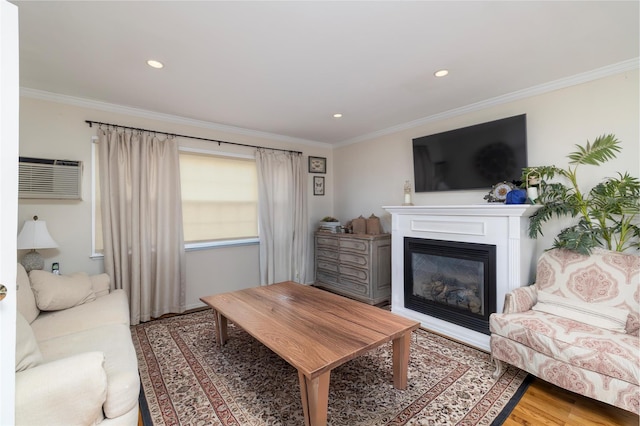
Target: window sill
(203, 246)
(215, 244)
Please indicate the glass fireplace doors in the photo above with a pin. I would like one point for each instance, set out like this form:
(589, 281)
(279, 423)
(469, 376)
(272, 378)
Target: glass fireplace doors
(452, 281)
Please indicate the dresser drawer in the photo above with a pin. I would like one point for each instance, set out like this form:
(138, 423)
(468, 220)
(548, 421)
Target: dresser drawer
(327, 265)
(326, 277)
(361, 246)
(361, 260)
(354, 287)
(327, 253)
(354, 274)
(327, 241)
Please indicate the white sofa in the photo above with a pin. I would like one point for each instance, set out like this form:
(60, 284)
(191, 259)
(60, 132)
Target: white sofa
(75, 360)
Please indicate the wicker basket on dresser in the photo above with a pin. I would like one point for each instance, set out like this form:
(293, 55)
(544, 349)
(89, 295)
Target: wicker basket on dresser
(354, 265)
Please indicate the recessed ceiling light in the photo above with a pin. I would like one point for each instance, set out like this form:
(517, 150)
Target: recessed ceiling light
(155, 64)
(441, 73)
(337, 115)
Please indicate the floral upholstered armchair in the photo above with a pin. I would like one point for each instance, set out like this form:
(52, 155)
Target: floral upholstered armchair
(577, 326)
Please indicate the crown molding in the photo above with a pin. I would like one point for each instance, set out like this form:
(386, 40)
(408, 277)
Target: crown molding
(551, 86)
(598, 73)
(142, 113)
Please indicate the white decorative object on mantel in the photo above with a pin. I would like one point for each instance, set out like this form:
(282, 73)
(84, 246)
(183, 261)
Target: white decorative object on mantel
(407, 194)
(502, 225)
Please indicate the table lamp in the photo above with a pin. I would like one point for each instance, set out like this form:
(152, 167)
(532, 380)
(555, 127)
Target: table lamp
(34, 235)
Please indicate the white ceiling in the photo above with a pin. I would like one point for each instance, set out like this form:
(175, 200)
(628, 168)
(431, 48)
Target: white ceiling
(286, 67)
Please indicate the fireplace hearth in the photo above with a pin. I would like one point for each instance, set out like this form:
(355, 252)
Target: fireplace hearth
(453, 281)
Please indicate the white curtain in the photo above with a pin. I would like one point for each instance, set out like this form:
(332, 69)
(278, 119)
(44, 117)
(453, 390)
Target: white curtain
(142, 221)
(282, 212)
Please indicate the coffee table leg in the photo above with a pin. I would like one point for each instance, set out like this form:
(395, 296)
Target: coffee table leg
(401, 360)
(315, 398)
(221, 328)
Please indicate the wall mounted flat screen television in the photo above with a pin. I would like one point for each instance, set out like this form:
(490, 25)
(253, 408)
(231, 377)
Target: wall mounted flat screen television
(472, 157)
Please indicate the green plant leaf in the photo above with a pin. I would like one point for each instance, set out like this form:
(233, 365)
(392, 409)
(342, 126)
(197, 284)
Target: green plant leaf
(579, 238)
(602, 149)
(544, 214)
(541, 172)
(608, 214)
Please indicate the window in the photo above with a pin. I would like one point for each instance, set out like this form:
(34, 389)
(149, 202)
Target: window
(219, 197)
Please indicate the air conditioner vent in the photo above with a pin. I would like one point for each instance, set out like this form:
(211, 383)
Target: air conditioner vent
(42, 178)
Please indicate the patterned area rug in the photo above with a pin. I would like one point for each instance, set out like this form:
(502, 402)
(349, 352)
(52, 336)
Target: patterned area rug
(187, 380)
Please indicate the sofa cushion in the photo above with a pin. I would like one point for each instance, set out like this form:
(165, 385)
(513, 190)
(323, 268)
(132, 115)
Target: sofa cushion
(591, 348)
(110, 309)
(27, 351)
(596, 314)
(121, 363)
(69, 391)
(56, 292)
(26, 301)
(101, 284)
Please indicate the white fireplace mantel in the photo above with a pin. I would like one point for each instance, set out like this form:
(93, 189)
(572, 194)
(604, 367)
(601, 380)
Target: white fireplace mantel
(502, 225)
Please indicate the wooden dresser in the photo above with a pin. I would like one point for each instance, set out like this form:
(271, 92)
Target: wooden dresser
(353, 265)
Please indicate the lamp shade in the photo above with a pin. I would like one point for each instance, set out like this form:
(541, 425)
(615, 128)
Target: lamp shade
(34, 235)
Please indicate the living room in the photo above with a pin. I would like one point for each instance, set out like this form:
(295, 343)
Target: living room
(364, 171)
(354, 184)
(363, 174)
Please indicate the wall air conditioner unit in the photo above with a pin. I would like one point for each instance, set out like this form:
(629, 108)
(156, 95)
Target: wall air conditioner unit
(41, 178)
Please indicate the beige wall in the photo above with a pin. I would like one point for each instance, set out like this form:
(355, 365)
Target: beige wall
(360, 179)
(371, 174)
(58, 130)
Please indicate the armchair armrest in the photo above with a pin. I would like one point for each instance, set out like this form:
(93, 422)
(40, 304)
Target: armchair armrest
(101, 284)
(520, 299)
(68, 391)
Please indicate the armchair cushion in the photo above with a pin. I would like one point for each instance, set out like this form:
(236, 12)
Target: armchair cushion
(27, 351)
(56, 292)
(595, 314)
(606, 277)
(574, 343)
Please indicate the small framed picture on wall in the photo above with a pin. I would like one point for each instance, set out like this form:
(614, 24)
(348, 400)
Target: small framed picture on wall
(317, 165)
(318, 185)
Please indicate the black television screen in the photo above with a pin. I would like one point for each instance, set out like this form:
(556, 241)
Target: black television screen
(472, 157)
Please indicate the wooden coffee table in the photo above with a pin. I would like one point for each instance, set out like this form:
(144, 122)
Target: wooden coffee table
(314, 331)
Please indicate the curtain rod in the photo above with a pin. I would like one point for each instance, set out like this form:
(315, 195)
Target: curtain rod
(91, 123)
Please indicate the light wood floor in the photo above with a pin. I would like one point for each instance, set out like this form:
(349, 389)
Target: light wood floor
(546, 404)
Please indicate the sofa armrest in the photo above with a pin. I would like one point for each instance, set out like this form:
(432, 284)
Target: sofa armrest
(520, 299)
(68, 391)
(101, 284)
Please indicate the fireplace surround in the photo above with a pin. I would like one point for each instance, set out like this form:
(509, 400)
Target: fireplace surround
(501, 227)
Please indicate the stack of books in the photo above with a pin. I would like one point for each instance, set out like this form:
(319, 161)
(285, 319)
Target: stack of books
(332, 227)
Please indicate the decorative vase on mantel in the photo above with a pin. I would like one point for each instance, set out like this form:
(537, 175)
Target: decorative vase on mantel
(407, 194)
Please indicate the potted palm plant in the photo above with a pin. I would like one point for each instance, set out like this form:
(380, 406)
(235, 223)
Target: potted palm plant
(608, 214)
